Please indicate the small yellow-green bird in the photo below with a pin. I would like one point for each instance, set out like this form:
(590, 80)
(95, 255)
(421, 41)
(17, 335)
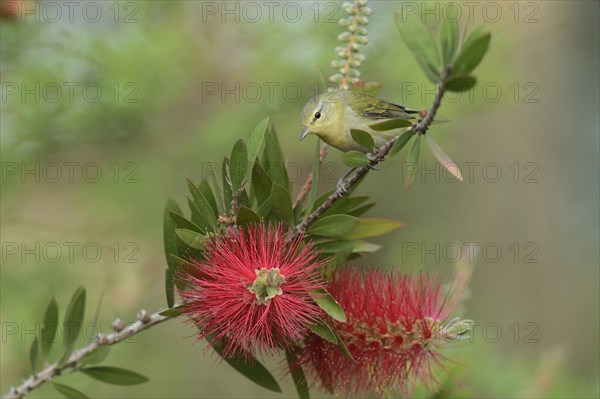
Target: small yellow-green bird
(331, 115)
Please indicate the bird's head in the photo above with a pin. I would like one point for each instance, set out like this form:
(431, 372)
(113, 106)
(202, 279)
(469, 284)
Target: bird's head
(322, 114)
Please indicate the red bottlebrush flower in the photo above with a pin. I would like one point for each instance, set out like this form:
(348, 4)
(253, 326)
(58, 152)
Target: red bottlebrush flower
(394, 324)
(252, 290)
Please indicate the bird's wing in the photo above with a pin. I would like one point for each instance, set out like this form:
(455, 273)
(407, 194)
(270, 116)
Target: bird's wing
(371, 107)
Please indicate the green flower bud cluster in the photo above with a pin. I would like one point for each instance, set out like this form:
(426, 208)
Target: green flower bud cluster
(355, 34)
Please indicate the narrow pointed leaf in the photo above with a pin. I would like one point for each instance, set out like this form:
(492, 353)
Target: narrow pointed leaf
(342, 245)
(181, 223)
(461, 83)
(372, 227)
(363, 138)
(314, 188)
(97, 355)
(444, 159)
(361, 210)
(238, 163)
(297, 375)
(419, 41)
(355, 159)
(324, 331)
(246, 216)
(254, 142)
(74, 317)
(328, 304)
(170, 286)
(174, 311)
(69, 392)
(34, 354)
(345, 205)
(248, 366)
(334, 225)
(265, 209)
(169, 227)
(282, 204)
(191, 238)
(203, 206)
(340, 342)
(471, 55)
(217, 190)
(114, 375)
(273, 161)
(449, 36)
(401, 141)
(412, 163)
(227, 192)
(207, 192)
(49, 328)
(261, 183)
(392, 124)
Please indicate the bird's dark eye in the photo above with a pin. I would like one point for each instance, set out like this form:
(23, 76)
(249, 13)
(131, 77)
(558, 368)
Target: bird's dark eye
(317, 115)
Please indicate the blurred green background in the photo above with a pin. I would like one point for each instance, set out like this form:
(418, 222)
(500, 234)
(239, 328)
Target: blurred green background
(162, 88)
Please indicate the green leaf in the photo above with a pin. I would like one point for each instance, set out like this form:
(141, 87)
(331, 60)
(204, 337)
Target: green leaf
(444, 159)
(217, 190)
(461, 83)
(246, 216)
(34, 354)
(412, 162)
(401, 141)
(273, 162)
(345, 205)
(261, 183)
(227, 193)
(208, 194)
(74, 318)
(97, 355)
(181, 223)
(344, 245)
(169, 226)
(248, 366)
(203, 207)
(191, 238)
(355, 159)
(363, 138)
(419, 41)
(449, 36)
(114, 375)
(328, 304)
(49, 328)
(471, 54)
(340, 342)
(314, 188)
(475, 34)
(324, 331)
(254, 142)
(391, 124)
(333, 225)
(265, 209)
(282, 204)
(170, 286)
(68, 392)
(361, 210)
(372, 227)
(238, 164)
(174, 311)
(297, 375)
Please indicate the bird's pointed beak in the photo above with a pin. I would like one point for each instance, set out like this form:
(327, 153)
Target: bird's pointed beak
(305, 131)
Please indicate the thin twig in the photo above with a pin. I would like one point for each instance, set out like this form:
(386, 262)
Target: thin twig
(420, 127)
(36, 380)
(309, 180)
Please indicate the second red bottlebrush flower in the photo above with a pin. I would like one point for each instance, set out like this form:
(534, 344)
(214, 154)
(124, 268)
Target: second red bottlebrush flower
(252, 290)
(396, 324)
